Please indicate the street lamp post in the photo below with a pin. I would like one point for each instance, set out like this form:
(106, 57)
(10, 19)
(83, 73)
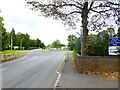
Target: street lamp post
(21, 45)
(11, 41)
(81, 41)
(81, 32)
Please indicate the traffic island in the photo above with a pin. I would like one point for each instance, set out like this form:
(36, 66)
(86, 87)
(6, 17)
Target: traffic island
(10, 57)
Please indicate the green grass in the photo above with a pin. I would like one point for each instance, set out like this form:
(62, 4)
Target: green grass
(21, 50)
(53, 50)
(6, 52)
(74, 54)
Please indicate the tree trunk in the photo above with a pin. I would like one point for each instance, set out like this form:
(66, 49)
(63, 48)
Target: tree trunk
(85, 29)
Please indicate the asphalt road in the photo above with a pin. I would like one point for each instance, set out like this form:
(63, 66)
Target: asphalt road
(35, 70)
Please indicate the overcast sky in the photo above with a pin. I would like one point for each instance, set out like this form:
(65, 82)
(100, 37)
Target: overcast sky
(25, 20)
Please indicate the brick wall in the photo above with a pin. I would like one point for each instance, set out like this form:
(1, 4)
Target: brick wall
(97, 63)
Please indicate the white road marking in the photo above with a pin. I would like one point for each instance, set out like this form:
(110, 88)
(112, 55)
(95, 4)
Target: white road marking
(3, 69)
(57, 81)
(30, 59)
(57, 71)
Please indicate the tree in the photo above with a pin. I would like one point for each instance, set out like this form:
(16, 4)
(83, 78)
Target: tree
(71, 40)
(13, 36)
(98, 44)
(118, 34)
(56, 44)
(26, 41)
(70, 11)
(32, 43)
(77, 46)
(38, 43)
(4, 36)
(43, 45)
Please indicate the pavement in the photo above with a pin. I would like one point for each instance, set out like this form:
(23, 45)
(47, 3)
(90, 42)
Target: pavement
(72, 79)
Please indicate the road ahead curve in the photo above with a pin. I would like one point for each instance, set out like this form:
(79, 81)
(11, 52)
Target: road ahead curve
(33, 71)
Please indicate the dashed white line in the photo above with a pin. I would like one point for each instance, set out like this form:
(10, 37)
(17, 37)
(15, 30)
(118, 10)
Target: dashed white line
(57, 72)
(3, 69)
(30, 60)
(57, 81)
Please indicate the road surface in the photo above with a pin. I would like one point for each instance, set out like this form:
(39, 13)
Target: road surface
(35, 70)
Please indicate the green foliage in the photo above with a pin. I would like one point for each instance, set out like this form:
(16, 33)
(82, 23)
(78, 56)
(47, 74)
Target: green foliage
(77, 46)
(57, 44)
(4, 35)
(97, 44)
(36, 43)
(18, 39)
(71, 40)
(74, 54)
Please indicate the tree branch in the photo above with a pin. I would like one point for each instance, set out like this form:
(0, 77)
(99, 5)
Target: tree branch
(35, 3)
(114, 3)
(79, 3)
(90, 6)
(99, 11)
(72, 13)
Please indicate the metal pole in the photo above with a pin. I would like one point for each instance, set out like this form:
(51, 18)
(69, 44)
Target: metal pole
(81, 41)
(21, 45)
(11, 41)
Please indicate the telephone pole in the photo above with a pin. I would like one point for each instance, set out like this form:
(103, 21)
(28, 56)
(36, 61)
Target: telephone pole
(11, 41)
(80, 34)
(21, 45)
(81, 41)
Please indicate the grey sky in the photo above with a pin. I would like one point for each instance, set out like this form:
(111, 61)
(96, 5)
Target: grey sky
(27, 21)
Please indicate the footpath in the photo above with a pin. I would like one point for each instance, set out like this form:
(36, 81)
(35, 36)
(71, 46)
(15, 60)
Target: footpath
(72, 79)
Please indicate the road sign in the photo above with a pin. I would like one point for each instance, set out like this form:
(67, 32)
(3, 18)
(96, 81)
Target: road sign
(15, 47)
(113, 50)
(114, 42)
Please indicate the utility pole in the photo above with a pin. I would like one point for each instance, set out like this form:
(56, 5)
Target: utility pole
(21, 45)
(80, 34)
(81, 41)
(11, 41)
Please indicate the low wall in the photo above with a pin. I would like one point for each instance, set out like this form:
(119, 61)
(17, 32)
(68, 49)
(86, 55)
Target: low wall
(97, 64)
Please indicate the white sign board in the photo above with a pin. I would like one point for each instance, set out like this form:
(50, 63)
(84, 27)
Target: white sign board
(113, 50)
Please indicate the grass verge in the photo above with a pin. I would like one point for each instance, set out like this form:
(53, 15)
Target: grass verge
(53, 50)
(8, 53)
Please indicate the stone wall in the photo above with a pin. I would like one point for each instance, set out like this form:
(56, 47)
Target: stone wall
(97, 63)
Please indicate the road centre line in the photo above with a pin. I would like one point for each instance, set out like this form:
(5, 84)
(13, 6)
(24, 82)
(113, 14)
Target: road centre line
(30, 59)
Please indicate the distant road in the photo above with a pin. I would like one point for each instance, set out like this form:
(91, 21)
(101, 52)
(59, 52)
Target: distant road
(33, 71)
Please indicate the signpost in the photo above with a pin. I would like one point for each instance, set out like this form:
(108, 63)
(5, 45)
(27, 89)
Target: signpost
(114, 46)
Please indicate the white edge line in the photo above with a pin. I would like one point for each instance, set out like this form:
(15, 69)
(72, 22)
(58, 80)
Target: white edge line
(57, 70)
(3, 69)
(57, 80)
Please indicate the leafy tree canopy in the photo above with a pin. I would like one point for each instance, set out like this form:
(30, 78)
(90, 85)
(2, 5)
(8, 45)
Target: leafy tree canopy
(93, 15)
(57, 44)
